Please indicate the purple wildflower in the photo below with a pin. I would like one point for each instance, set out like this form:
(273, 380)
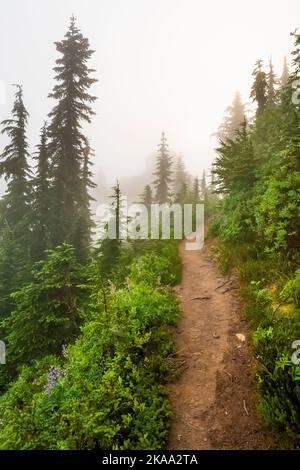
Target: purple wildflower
(54, 374)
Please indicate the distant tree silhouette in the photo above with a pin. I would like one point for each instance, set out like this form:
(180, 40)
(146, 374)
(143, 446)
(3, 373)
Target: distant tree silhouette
(259, 90)
(163, 172)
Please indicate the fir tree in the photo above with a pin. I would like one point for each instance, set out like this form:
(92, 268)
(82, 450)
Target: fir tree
(233, 119)
(14, 208)
(67, 144)
(196, 190)
(85, 224)
(180, 176)
(284, 79)
(271, 81)
(183, 193)
(48, 310)
(41, 200)
(203, 186)
(234, 167)
(14, 166)
(163, 172)
(259, 87)
(296, 54)
(147, 196)
(110, 248)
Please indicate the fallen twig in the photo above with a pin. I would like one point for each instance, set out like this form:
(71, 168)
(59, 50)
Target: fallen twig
(245, 408)
(223, 284)
(204, 297)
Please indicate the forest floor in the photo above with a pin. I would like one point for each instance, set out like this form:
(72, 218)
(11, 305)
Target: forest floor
(214, 399)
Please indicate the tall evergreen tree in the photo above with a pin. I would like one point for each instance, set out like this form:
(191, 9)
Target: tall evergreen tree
(41, 200)
(203, 186)
(284, 79)
(296, 54)
(67, 144)
(271, 91)
(110, 248)
(85, 224)
(196, 190)
(14, 208)
(259, 87)
(235, 165)
(163, 172)
(180, 176)
(147, 196)
(14, 167)
(233, 119)
(183, 194)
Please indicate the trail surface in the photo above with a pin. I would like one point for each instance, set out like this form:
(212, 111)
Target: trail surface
(213, 400)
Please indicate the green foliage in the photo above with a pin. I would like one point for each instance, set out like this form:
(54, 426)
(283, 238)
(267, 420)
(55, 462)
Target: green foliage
(155, 270)
(108, 390)
(48, 311)
(291, 290)
(258, 174)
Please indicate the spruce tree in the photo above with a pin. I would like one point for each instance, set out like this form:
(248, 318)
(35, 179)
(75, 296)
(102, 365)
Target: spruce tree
(163, 172)
(67, 144)
(259, 87)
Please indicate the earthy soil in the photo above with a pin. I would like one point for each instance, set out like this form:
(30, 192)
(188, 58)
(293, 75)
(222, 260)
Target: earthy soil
(213, 400)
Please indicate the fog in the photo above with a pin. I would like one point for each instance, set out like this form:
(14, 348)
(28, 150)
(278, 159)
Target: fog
(171, 65)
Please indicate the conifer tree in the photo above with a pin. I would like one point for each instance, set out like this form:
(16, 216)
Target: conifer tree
(14, 208)
(271, 81)
(163, 172)
(110, 248)
(284, 79)
(14, 167)
(296, 54)
(180, 176)
(41, 200)
(233, 119)
(196, 190)
(147, 196)
(259, 87)
(67, 144)
(203, 186)
(183, 193)
(85, 224)
(234, 167)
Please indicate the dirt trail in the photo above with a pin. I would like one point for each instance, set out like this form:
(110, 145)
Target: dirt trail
(213, 400)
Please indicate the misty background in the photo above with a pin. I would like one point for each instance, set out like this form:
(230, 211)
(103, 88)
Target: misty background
(172, 65)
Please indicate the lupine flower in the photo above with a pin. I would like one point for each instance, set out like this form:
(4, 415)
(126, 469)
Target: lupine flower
(54, 374)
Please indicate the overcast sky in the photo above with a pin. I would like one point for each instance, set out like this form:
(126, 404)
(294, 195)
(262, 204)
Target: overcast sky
(161, 64)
